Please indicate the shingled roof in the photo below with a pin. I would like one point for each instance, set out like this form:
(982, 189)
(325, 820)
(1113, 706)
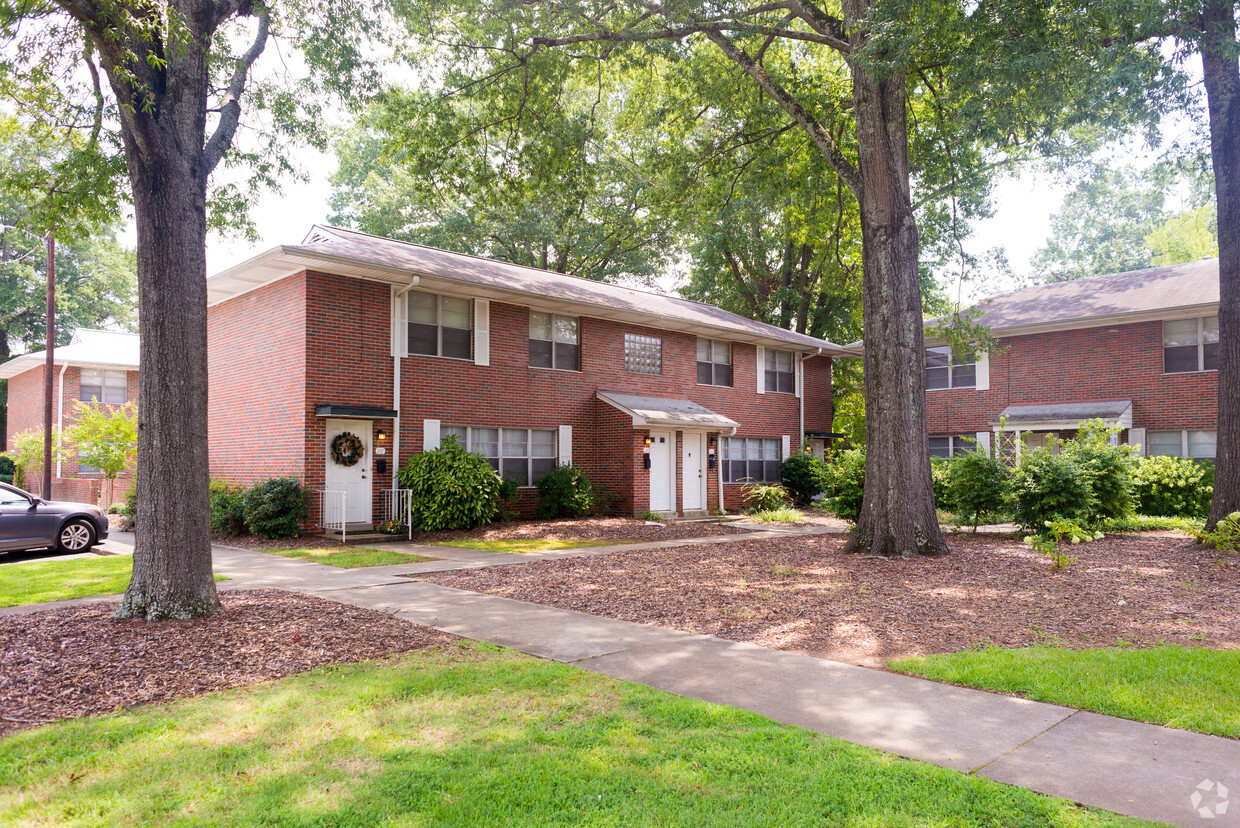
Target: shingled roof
(88, 349)
(348, 252)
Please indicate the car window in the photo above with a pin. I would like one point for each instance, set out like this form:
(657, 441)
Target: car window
(9, 498)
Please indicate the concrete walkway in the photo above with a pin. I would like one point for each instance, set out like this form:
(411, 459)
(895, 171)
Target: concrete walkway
(1128, 767)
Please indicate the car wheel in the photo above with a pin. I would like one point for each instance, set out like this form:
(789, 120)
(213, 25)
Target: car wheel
(75, 536)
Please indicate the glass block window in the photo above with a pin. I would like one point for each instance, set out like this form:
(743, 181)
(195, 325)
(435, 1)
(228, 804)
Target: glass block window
(951, 445)
(1190, 345)
(944, 370)
(440, 325)
(643, 354)
(523, 453)
(780, 372)
(750, 459)
(103, 386)
(714, 362)
(555, 341)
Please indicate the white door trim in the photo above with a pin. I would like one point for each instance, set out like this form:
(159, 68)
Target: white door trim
(693, 471)
(356, 480)
(663, 464)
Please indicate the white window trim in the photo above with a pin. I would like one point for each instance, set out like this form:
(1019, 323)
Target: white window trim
(730, 363)
(795, 372)
(1183, 442)
(557, 455)
(1201, 351)
(473, 326)
(553, 342)
(104, 374)
(782, 441)
(951, 372)
(962, 439)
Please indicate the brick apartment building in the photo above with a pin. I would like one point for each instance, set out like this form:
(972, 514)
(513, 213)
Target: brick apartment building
(95, 365)
(666, 403)
(1137, 349)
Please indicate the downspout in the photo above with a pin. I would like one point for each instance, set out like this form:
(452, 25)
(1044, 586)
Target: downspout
(60, 419)
(396, 364)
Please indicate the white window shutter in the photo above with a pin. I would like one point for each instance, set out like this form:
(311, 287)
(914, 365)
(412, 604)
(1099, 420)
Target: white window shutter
(761, 370)
(785, 445)
(800, 375)
(1136, 437)
(983, 372)
(430, 435)
(983, 441)
(566, 445)
(400, 324)
(482, 332)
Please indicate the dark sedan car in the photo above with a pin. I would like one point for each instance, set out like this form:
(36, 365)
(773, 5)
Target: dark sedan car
(29, 522)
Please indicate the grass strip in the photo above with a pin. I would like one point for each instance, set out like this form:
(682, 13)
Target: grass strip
(468, 736)
(38, 582)
(1180, 687)
(350, 557)
(516, 546)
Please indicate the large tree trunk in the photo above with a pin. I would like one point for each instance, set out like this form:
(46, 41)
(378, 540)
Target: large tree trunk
(172, 575)
(897, 511)
(1222, 81)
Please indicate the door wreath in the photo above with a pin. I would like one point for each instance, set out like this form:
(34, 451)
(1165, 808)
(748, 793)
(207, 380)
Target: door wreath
(347, 449)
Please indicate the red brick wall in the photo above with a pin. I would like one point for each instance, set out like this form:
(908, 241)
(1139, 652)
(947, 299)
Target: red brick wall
(819, 414)
(1122, 362)
(25, 403)
(256, 358)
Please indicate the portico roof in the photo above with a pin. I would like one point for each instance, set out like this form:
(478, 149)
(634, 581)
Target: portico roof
(658, 411)
(1057, 416)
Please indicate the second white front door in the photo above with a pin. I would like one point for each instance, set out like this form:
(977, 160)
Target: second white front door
(693, 471)
(662, 471)
(349, 473)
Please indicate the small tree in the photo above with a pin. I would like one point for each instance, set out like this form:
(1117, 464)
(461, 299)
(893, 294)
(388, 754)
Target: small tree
(27, 453)
(977, 484)
(106, 437)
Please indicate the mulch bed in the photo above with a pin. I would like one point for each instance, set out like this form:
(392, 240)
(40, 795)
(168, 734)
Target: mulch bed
(805, 594)
(65, 663)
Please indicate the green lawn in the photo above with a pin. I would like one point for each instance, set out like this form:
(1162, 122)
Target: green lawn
(519, 545)
(475, 736)
(1186, 688)
(40, 581)
(350, 557)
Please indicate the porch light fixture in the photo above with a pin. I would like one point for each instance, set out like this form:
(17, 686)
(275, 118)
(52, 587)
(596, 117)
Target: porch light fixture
(380, 435)
(649, 441)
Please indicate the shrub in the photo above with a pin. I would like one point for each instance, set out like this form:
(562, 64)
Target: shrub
(1172, 487)
(765, 497)
(846, 483)
(564, 492)
(804, 476)
(940, 474)
(1109, 468)
(1052, 537)
(227, 508)
(976, 485)
(1226, 536)
(784, 514)
(451, 488)
(1049, 487)
(276, 508)
(653, 517)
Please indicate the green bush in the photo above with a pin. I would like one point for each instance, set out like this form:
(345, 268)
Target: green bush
(227, 508)
(1173, 487)
(7, 468)
(564, 492)
(1047, 487)
(451, 488)
(276, 508)
(846, 483)
(765, 497)
(940, 475)
(784, 514)
(976, 485)
(804, 476)
(1109, 468)
(1226, 536)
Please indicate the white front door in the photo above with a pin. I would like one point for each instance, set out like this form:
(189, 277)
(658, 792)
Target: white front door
(353, 479)
(693, 468)
(661, 471)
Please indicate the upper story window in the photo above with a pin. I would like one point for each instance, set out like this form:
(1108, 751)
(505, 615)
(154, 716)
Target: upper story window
(780, 373)
(643, 354)
(103, 386)
(951, 445)
(750, 459)
(1190, 345)
(945, 370)
(714, 362)
(440, 325)
(555, 341)
(522, 453)
(1200, 444)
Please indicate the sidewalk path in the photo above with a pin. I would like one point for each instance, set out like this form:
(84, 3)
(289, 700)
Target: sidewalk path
(1132, 768)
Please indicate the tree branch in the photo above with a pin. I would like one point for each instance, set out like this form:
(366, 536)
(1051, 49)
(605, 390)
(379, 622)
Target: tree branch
(230, 109)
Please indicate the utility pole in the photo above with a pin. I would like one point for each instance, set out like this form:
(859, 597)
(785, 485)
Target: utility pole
(49, 366)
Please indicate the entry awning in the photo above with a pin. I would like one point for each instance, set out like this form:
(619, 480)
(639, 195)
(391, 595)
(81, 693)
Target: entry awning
(1063, 416)
(364, 412)
(658, 411)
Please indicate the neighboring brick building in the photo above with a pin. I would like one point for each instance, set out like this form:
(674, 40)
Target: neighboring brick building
(98, 365)
(400, 345)
(1138, 349)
